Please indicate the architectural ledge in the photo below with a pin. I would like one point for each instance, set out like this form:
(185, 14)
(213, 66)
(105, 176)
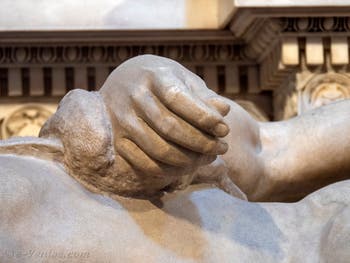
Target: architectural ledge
(115, 36)
(246, 12)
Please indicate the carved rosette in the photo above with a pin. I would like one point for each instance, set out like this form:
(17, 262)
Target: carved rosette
(323, 89)
(25, 121)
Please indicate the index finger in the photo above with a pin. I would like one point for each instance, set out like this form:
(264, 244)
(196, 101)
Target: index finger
(179, 99)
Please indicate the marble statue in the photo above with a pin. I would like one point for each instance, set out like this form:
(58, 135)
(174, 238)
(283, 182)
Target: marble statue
(155, 167)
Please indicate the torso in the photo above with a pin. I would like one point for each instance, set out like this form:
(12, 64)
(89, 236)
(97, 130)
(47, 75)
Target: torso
(46, 216)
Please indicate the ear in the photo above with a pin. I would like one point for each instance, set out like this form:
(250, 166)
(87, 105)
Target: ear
(82, 124)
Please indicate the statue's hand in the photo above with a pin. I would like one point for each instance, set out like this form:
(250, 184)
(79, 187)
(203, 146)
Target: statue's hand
(164, 117)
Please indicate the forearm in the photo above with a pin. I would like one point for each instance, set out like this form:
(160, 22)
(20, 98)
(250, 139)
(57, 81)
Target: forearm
(305, 153)
(244, 163)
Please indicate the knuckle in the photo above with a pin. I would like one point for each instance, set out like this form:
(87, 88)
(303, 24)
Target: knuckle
(172, 94)
(137, 96)
(169, 124)
(130, 127)
(150, 169)
(123, 121)
(163, 152)
(205, 121)
(119, 146)
(209, 119)
(157, 76)
(202, 120)
(170, 155)
(149, 73)
(198, 81)
(134, 97)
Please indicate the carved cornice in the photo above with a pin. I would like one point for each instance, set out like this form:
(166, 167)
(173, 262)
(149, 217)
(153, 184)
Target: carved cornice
(121, 37)
(112, 48)
(263, 34)
(49, 64)
(261, 38)
(245, 16)
(283, 45)
(311, 25)
(189, 53)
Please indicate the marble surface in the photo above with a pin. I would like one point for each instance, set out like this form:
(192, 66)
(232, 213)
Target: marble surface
(46, 216)
(155, 167)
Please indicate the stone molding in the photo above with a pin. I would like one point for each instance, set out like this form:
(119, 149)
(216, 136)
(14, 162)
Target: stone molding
(255, 56)
(49, 64)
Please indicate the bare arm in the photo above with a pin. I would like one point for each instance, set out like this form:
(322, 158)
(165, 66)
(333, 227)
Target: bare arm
(153, 122)
(306, 152)
(284, 161)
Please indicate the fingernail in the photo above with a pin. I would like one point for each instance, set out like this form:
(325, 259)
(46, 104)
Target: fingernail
(222, 147)
(225, 109)
(221, 130)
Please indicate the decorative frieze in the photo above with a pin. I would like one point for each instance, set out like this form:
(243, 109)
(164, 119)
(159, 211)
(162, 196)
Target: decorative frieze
(309, 25)
(32, 65)
(95, 54)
